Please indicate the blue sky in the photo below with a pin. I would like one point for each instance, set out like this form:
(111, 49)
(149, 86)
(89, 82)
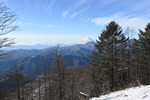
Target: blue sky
(67, 21)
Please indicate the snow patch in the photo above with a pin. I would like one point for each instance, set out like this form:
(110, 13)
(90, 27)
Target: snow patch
(85, 40)
(135, 93)
(84, 94)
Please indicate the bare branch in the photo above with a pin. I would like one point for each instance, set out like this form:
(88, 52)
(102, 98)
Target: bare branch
(7, 25)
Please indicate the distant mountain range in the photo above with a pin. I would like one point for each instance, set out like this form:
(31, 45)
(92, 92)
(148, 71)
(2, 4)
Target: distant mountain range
(43, 46)
(75, 56)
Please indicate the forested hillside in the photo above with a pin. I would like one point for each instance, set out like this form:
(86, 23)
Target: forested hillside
(75, 56)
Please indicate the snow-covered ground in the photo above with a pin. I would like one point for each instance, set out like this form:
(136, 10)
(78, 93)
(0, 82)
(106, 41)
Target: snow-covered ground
(135, 93)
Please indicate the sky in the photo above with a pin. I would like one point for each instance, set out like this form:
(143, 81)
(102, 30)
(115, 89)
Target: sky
(68, 21)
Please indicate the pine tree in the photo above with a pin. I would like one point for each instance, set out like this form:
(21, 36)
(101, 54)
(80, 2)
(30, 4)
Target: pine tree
(105, 59)
(144, 38)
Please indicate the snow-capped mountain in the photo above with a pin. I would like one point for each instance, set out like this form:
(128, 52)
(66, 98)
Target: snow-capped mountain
(85, 40)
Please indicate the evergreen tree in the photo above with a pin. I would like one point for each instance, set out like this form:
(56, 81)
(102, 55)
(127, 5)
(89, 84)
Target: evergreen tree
(144, 38)
(105, 59)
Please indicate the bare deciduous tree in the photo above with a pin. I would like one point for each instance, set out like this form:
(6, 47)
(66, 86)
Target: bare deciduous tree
(7, 25)
(16, 78)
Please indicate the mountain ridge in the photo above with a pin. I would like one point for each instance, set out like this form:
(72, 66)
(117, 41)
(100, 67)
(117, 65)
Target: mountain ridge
(75, 56)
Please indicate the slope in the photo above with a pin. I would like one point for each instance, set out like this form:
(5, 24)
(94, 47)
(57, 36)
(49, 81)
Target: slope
(135, 93)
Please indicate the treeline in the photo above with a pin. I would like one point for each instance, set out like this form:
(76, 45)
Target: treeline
(120, 61)
(53, 82)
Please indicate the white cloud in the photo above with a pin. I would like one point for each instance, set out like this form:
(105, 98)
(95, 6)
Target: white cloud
(65, 13)
(77, 4)
(32, 24)
(77, 13)
(35, 24)
(74, 14)
(50, 6)
(50, 25)
(124, 21)
(28, 23)
(20, 22)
